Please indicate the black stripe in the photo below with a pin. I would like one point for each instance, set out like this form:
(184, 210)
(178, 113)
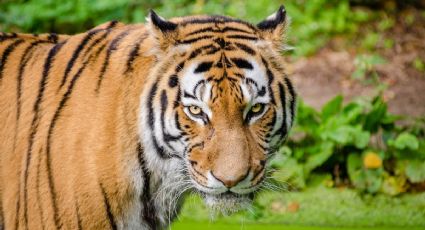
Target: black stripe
(199, 83)
(134, 53)
(26, 56)
(283, 129)
(203, 67)
(151, 121)
(9, 49)
(173, 81)
(148, 210)
(228, 28)
(242, 63)
(53, 37)
(213, 50)
(35, 122)
(262, 91)
(215, 19)
(207, 29)
(272, 122)
(251, 81)
(23, 62)
(188, 95)
(152, 94)
(167, 137)
(242, 37)
(188, 41)
(37, 184)
(270, 77)
(76, 53)
(221, 42)
(176, 120)
(164, 104)
(178, 97)
(5, 36)
(198, 51)
(18, 210)
(112, 47)
(225, 29)
(180, 66)
(108, 210)
(293, 98)
(245, 48)
(77, 210)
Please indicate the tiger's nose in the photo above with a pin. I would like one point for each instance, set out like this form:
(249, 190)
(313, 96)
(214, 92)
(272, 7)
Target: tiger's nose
(229, 180)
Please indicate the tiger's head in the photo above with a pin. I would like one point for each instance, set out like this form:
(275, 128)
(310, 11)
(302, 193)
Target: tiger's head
(217, 104)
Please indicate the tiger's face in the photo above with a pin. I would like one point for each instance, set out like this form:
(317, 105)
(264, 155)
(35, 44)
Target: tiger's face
(224, 103)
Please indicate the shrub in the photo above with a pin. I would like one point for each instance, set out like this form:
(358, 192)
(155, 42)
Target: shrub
(360, 144)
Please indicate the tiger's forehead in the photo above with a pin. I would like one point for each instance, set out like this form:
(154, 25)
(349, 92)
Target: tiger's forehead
(242, 80)
(193, 25)
(221, 59)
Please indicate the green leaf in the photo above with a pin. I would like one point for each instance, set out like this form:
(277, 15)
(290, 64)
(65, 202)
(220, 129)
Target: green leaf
(373, 180)
(415, 171)
(352, 112)
(405, 141)
(355, 172)
(317, 159)
(376, 115)
(361, 138)
(332, 107)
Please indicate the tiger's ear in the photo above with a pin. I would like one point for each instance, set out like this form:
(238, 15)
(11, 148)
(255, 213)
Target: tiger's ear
(274, 26)
(165, 32)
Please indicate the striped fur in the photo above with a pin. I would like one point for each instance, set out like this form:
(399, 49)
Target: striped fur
(96, 130)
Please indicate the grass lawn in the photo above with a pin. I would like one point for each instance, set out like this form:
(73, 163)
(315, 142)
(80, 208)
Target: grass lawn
(223, 226)
(314, 208)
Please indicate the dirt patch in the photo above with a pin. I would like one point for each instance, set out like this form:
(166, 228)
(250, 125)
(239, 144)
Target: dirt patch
(328, 73)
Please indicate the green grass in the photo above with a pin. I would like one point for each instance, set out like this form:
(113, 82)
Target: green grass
(320, 207)
(224, 226)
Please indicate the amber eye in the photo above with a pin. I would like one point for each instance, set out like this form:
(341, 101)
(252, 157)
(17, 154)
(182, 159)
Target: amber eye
(257, 108)
(195, 110)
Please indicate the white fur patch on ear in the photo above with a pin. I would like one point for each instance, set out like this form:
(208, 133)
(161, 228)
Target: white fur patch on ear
(271, 17)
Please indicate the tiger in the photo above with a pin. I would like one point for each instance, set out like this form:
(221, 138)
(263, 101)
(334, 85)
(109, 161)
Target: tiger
(113, 128)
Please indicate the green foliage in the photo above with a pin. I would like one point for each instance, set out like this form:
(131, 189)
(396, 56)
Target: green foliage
(359, 142)
(419, 64)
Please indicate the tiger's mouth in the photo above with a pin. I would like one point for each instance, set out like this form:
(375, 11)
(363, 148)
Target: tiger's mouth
(228, 202)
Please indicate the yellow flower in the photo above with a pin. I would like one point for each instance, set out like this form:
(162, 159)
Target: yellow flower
(372, 161)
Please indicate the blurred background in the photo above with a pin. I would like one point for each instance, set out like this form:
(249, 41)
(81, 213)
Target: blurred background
(356, 157)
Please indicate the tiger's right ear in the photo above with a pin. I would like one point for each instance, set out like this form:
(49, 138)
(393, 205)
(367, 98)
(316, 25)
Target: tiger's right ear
(165, 32)
(273, 27)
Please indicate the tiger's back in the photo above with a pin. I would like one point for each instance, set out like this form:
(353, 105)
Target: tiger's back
(49, 126)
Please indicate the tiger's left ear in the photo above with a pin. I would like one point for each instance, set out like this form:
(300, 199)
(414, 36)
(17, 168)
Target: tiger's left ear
(274, 26)
(165, 32)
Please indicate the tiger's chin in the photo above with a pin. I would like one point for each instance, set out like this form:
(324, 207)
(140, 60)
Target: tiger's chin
(227, 203)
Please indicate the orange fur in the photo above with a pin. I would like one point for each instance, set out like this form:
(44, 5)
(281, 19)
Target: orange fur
(69, 139)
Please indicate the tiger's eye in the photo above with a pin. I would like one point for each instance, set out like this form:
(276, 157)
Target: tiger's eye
(256, 108)
(195, 110)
